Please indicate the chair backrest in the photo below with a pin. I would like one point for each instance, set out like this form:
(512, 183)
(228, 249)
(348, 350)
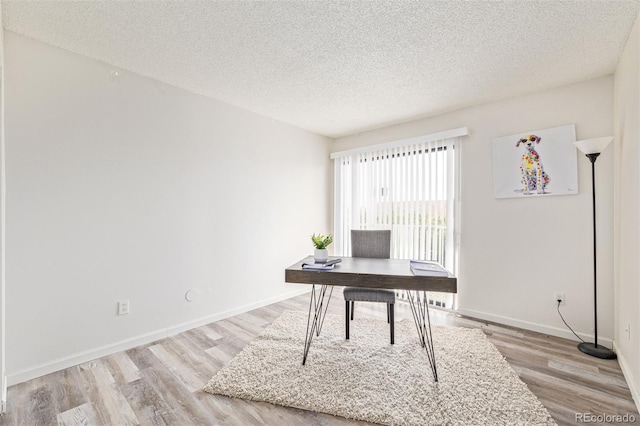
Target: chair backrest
(371, 244)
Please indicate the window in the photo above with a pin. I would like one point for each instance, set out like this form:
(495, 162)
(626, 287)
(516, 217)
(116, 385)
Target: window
(407, 186)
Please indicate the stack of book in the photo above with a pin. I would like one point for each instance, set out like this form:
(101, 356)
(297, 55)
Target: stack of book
(326, 266)
(428, 268)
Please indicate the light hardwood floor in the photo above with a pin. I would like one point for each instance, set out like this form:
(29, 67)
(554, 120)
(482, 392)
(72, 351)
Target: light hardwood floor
(160, 383)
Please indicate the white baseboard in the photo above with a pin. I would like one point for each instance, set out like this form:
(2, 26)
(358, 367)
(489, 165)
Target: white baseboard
(82, 357)
(540, 328)
(626, 371)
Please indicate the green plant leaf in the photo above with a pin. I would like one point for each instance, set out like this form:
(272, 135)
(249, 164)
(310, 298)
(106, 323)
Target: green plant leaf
(321, 241)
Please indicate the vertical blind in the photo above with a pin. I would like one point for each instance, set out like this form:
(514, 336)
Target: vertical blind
(409, 188)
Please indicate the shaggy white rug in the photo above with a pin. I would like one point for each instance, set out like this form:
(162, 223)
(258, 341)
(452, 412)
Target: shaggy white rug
(366, 378)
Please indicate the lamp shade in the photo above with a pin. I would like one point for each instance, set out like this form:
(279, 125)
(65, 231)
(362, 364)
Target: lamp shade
(593, 146)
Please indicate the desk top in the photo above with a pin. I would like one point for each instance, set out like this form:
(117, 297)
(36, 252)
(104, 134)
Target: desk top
(373, 273)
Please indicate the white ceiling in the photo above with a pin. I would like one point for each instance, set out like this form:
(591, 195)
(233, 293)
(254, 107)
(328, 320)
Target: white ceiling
(341, 67)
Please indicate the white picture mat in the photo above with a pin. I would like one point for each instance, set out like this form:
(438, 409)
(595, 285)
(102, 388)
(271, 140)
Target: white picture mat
(557, 154)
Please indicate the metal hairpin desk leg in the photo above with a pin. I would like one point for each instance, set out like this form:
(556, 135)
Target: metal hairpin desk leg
(420, 311)
(314, 326)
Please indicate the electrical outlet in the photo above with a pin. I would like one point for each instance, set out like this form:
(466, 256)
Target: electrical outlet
(123, 307)
(558, 296)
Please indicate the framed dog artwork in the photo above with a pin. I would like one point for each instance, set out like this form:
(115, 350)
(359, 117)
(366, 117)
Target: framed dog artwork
(536, 164)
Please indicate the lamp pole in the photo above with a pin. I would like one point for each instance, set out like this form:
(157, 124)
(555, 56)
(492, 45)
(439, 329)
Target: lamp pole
(592, 348)
(592, 158)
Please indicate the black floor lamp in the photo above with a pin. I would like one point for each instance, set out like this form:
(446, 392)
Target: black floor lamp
(592, 149)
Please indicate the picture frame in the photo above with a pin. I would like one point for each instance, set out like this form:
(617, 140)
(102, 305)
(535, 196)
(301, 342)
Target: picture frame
(536, 163)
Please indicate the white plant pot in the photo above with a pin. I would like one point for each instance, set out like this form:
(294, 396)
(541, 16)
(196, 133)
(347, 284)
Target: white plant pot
(321, 255)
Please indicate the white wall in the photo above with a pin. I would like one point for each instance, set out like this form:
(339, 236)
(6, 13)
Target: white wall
(516, 252)
(126, 188)
(627, 210)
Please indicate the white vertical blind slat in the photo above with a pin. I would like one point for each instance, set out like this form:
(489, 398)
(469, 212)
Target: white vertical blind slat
(408, 189)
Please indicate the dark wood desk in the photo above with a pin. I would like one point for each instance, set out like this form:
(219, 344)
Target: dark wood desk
(371, 273)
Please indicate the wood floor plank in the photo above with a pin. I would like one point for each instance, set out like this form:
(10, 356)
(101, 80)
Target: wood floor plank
(110, 404)
(179, 369)
(192, 357)
(231, 345)
(559, 358)
(232, 329)
(148, 404)
(186, 408)
(199, 338)
(82, 415)
(19, 410)
(141, 356)
(161, 383)
(211, 333)
(582, 371)
(261, 322)
(42, 405)
(231, 411)
(587, 394)
(127, 370)
(219, 355)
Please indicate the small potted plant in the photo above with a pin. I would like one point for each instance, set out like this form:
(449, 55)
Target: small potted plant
(321, 242)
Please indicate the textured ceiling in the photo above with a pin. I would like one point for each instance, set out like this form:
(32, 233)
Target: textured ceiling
(341, 67)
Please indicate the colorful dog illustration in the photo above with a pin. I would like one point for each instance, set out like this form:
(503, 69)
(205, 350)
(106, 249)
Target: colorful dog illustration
(534, 178)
